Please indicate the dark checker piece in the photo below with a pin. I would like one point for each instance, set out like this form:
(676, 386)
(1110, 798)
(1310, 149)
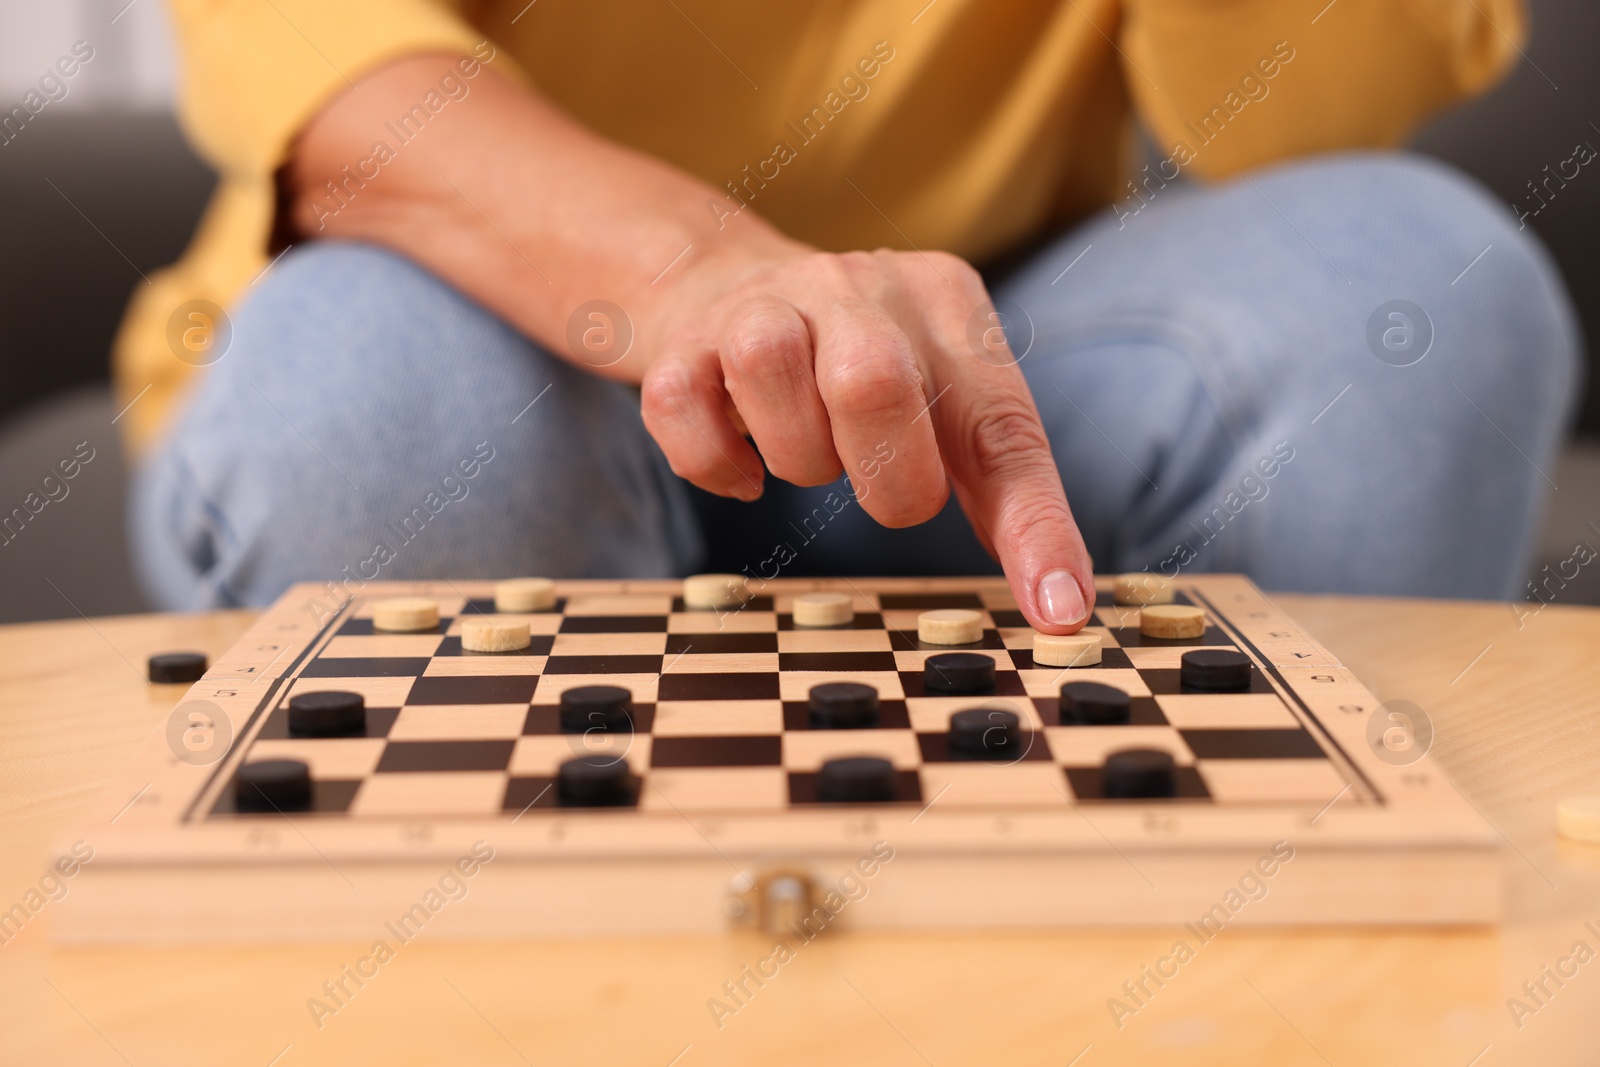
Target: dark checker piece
(982, 732)
(273, 785)
(856, 780)
(1216, 669)
(1138, 772)
(333, 713)
(843, 706)
(169, 667)
(958, 672)
(1094, 704)
(595, 782)
(596, 707)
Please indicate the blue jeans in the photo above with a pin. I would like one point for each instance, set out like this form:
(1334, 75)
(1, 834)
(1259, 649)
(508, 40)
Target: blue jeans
(1225, 381)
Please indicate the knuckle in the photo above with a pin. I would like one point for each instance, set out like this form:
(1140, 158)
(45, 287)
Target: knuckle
(698, 469)
(870, 383)
(828, 268)
(909, 508)
(764, 345)
(1037, 521)
(1005, 437)
(665, 386)
(960, 268)
(860, 267)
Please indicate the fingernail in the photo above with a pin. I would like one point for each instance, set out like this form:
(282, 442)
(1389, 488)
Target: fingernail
(1060, 599)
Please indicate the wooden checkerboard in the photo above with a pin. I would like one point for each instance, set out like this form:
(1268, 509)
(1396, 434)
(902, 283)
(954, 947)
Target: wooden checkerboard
(463, 747)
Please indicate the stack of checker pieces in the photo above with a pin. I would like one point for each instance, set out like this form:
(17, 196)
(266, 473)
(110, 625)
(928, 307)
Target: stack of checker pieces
(721, 716)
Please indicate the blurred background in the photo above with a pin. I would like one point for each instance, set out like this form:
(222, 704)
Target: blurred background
(100, 187)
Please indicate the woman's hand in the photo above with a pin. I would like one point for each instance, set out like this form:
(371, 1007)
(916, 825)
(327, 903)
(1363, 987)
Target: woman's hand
(823, 358)
(735, 326)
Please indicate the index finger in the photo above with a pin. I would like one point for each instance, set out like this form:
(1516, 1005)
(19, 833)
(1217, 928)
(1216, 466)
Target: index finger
(996, 451)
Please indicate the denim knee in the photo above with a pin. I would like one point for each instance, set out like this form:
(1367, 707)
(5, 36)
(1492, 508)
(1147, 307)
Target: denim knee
(364, 400)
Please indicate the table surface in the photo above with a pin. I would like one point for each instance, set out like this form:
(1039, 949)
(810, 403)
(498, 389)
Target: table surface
(1514, 708)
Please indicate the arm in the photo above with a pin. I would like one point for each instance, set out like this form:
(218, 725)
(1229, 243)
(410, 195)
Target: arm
(819, 357)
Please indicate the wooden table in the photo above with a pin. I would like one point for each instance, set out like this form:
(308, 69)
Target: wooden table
(1517, 716)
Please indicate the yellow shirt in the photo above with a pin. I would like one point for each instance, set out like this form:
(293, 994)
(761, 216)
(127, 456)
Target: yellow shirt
(966, 125)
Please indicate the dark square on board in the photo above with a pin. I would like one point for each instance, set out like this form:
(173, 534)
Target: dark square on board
(1238, 743)
(1164, 681)
(936, 749)
(614, 624)
(762, 751)
(538, 645)
(330, 797)
(546, 719)
(1142, 711)
(276, 728)
(530, 792)
(892, 715)
(602, 665)
(412, 756)
(680, 644)
(863, 620)
(803, 788)
(693, 686)
(474, 689)
(365, 667)
(1085, 784)
(928, 601)
(1006, 684)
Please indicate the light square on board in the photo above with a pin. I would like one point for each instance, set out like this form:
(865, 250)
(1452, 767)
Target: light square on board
(730, 789)
(453, 722)
(748, 621)
(807, 750)
(833, 640)
(449, 605)
(983, 785)
(999, 598)
(1088, 746)
(543, 754)
(722, 663)
(796, 685)
(470, 665)
(1267, 781)
(702, 718)
(431, 793)
(328, 757)
(1159, 659)
(1191, 710)
(1047, 681)
(619, 604)
(1017, 636)
(1116, 615)
(783, 603)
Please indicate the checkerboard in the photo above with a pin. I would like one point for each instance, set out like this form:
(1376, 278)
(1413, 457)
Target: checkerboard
(461, 744)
